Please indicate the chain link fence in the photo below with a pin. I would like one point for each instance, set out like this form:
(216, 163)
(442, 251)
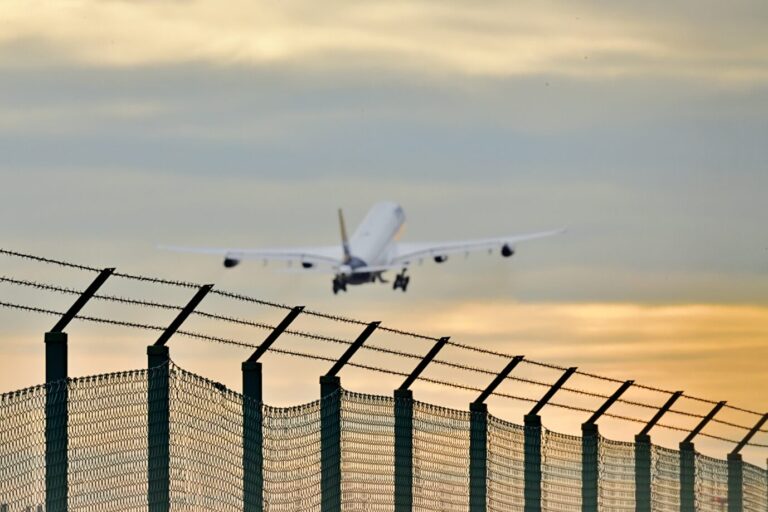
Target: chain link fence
(108, 446)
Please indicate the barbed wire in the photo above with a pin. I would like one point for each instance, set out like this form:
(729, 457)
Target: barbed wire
(339, 318)
(454, 385)
(450, 364)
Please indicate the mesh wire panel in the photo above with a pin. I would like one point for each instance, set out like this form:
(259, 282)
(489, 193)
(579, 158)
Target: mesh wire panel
(108, 442)
(755, 488)
(292, 458)
(616, 475)
(367, 452)
(440, 458)
(506, 470)
(711, 484)
(206, 447)
(560, 471)
(22, 446)
(665, 479)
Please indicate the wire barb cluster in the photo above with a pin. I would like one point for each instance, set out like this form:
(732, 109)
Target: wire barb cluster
(331, 339)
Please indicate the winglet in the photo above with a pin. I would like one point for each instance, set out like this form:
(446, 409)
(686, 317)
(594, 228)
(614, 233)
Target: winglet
(344, 240)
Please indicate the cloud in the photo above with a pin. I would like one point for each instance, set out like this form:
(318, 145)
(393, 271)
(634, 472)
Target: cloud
(581, 39)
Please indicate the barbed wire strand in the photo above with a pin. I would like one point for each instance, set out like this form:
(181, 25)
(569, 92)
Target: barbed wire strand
(370, 347)
(314, 336)
(352, 364)
(343, 319)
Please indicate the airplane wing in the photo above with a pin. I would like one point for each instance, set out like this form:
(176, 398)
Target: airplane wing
(406, 253)
(307, 256)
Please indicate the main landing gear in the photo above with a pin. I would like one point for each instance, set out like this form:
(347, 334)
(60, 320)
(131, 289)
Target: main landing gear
(339, 284)
(401, 281)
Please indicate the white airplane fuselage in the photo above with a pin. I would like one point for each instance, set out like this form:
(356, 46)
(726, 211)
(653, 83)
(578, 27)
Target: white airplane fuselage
(372, 242)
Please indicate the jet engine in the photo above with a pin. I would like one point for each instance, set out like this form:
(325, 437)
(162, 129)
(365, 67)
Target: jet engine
(441, 258)
(307, 264)
(230, 262)
(507, 251)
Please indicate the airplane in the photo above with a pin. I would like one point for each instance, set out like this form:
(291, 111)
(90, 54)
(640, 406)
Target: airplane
(371, 251)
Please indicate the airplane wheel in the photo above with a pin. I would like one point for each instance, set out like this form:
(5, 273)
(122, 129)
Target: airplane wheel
(405, 283)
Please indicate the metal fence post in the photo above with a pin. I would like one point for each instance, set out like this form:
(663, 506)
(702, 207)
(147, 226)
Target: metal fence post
(532, 455)
(688, 463)
(253, 442)
(590, 446)
(532, 446)
(404, 432)
(478, 456)
(330, 426)
(253, 437)
(158, 429)
(687, 477)
(330, 443)
(590, 439)
(735, 483)
(403, 450)
(643, 495)
(56, 419)
(642, 473)
(56, 401)
(736, 469)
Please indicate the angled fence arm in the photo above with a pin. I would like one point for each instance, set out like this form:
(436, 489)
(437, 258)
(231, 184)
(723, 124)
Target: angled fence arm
(253, 440)
(688, 463)
(56, 401)
(736, 469)
(158, 410)
(404, 432)
(330, 426)
(643, 457)
(532, 446)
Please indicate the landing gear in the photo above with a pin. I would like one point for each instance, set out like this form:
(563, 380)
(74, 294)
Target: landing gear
(401, 281)
(339, 284)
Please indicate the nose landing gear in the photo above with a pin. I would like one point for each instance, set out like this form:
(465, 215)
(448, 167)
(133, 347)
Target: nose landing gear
(401, 281)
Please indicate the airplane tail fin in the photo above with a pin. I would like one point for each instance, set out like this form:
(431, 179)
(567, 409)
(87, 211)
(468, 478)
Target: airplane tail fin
(344, 240)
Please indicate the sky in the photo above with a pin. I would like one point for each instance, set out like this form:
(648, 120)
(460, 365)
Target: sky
(640, 127)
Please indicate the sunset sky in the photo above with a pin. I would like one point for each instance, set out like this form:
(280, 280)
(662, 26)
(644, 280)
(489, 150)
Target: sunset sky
(640, 126)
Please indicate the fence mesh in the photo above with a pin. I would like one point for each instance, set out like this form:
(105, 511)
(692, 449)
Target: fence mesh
(711, 484)
(206, 446)
(108, 442)
(108, 454)
(755, 488)
(665, 479)
(560, 472)
(616, 476)
(440, 458)
(506, 466)
(367, 452)
(292, 458)
(22, 446)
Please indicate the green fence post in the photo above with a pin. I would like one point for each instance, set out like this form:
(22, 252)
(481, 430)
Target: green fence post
(735, 483)
(253, 442)
(687, 477)
(158, 431)
(56, 419)
(403, 450)
(590, 439)
(478, 456)
(642, 473)
(330, 443)
(532, 455)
